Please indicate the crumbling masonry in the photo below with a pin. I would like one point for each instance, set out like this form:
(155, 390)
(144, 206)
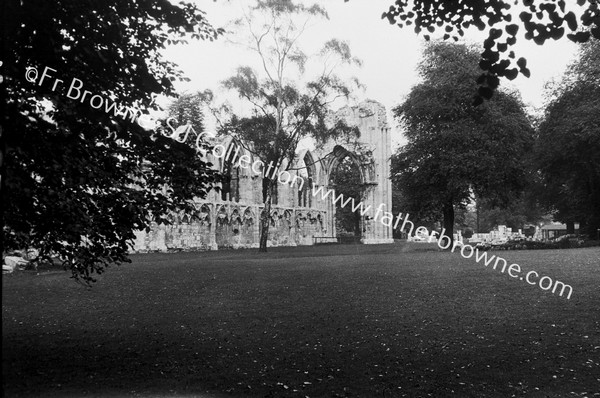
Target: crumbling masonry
(231, 218)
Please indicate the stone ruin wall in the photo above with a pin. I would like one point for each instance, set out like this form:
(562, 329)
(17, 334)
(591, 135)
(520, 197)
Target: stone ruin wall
(219, 224)
(232, 226)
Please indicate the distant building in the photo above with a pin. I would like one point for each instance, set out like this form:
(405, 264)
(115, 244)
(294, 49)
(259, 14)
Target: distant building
(553, 231)
(502, 232)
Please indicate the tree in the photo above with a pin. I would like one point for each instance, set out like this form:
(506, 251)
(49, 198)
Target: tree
(188, 108)
(540, 21)
(78, 176)
(282, 112)
(516, 214)
(454, 150)
(568, 144)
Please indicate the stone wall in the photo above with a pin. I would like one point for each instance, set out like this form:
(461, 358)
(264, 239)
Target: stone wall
(233, 220)
(231, 225)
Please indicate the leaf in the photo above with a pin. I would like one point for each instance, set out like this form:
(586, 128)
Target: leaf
(571, 20)
(511, 74)
(495, 33)
(539, 39)
(525, 16)
(493, 82)
(579, 37)
(512, 29)
(558, 33)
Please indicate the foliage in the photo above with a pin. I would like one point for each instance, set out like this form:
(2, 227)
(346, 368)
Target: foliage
(537, 20)
(468, 233)
(454, 150)
(282, 112)
(77, 181)
(517, 213)
(568, 145)
(570, 243)
(188, 109)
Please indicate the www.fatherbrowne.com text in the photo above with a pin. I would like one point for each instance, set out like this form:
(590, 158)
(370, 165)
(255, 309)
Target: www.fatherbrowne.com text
(444, 242)
(272, 172)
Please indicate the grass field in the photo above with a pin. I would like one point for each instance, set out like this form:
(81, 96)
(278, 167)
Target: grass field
(327, 321)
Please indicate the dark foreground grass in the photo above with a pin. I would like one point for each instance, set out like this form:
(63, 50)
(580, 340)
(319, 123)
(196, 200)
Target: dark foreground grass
(349, 321)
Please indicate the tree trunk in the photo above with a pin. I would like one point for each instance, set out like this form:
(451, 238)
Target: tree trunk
(2, 189)
(265, 219)
(583, 227)
(477, 209)
(3, 100)
(593, 228)
(448, 212)
(571, 227)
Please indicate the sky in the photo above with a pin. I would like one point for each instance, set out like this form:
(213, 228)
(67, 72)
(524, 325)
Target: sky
(389, 54)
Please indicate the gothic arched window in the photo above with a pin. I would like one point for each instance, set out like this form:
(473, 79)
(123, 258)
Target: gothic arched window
(231, 175)
(304, 196)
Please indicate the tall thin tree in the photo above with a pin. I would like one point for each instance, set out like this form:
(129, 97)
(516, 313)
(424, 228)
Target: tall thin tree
(283, 112)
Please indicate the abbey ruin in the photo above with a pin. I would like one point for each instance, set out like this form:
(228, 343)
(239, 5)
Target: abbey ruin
(231, 218)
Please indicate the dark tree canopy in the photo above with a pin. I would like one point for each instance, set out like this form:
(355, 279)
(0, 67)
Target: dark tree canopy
(454, 150)
(505, 21)
(568, 145)
(78, 179)
(516, 214)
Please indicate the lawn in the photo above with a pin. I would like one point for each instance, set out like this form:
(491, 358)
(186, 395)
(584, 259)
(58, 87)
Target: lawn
(326, 321)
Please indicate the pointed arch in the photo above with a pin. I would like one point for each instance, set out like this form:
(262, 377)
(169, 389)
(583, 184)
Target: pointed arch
(230, 187)
(339, 154)
(203, 215)
(222, 228)
(307, 171)
(236, 222)
(248, 227)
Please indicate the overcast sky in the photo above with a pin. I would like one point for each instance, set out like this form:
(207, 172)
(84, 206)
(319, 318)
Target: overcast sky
(389, 54)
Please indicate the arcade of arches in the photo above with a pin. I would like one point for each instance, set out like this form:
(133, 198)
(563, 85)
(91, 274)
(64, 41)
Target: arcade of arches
(231, 218)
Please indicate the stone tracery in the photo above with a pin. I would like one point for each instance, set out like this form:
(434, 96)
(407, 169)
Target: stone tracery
(230, 219)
